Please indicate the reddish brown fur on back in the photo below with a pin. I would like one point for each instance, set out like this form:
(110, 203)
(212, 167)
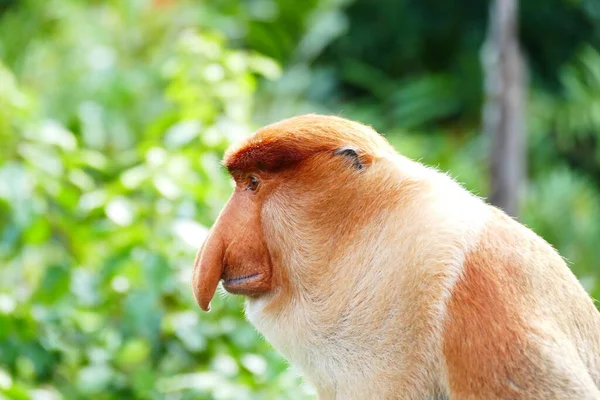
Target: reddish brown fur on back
(492, 345)
(485, 331)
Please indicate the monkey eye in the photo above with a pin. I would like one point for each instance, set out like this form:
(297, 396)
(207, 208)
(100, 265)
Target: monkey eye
(253, 183)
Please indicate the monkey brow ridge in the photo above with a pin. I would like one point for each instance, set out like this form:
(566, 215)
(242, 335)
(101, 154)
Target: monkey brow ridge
(284, 144)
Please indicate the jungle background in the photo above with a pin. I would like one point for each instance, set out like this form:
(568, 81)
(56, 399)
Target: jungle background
(114, 116)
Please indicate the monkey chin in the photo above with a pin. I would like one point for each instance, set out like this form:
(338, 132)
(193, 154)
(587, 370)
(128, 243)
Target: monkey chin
(249, 285)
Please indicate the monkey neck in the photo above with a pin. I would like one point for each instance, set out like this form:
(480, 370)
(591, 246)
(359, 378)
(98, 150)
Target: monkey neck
(342, 316)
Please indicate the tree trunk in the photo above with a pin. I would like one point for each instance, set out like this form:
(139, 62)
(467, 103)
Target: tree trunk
(504, 110)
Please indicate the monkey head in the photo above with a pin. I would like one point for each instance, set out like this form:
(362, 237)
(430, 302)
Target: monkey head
(284, 173)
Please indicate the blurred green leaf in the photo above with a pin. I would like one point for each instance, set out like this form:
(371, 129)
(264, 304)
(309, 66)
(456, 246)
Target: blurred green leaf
(114, 117)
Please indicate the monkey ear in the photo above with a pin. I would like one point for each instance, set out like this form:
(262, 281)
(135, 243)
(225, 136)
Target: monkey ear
(352, 154)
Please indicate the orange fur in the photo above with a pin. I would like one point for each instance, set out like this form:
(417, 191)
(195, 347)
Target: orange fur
(284, 144)
(384, 279)
(497, 330)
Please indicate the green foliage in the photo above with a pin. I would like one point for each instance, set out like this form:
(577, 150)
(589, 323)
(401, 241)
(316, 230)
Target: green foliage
(114, 116)
(109, 176)
(392, 50)
(577, 115)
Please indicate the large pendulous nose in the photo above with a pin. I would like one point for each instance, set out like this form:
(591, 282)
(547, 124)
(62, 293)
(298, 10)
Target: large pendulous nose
(208, 268)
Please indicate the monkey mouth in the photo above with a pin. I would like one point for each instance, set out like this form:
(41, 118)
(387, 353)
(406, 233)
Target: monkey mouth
(239, 280)
(245, 285)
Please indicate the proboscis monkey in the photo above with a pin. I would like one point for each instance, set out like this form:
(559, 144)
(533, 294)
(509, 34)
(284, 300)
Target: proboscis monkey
(381, 278)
